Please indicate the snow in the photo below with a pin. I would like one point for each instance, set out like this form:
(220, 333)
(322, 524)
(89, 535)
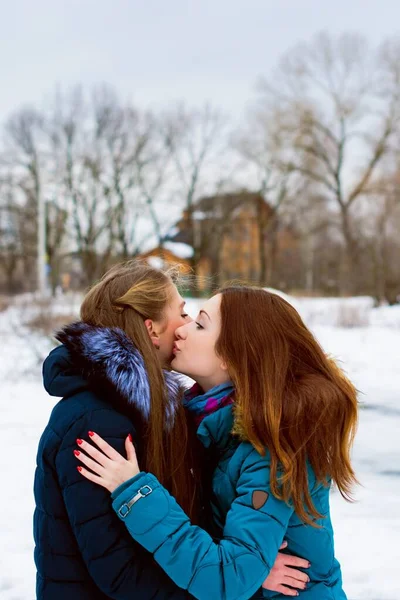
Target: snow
(180, 249)
(367, 533)
(156, 262)
(332, 311)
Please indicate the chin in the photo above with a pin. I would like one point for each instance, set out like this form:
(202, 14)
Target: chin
(175, 364)
(168, 363)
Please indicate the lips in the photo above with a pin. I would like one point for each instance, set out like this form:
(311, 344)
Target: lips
(175, 349)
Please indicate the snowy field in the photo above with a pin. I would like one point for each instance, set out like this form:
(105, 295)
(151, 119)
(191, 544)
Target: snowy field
(367, 532)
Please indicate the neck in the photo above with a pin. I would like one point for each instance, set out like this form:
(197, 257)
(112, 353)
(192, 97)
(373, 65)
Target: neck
(207, 383)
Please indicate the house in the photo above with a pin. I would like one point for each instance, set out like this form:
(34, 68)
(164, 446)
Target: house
(168, 255)
(233, 236)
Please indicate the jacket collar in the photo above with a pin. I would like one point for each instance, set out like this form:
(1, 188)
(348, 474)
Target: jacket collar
(201, 404)
(216, 429)
(109, 360)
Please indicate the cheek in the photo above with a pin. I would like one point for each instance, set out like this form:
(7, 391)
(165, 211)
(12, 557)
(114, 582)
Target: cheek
(200, 349)
(169, 333)
(174, 324)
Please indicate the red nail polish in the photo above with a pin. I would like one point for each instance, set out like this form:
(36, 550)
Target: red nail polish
(91, 433)
(79, 442)
(76, 452)
(130, 437)
(79, 469)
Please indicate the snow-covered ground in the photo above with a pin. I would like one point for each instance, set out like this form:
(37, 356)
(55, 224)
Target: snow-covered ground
(367, 532)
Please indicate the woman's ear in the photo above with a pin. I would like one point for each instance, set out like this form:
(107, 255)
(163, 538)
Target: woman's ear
(223, 365)
(152, 333)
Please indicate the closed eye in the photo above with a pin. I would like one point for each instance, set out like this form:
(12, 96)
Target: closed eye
(198, 326)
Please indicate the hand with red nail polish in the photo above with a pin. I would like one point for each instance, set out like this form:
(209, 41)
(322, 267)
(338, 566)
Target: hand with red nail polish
(107, 467)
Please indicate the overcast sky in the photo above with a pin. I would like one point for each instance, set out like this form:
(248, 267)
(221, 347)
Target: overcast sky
(158, 51)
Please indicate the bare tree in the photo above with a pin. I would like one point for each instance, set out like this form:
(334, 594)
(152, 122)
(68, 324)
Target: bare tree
(196, 140)
(335, 104)
(381, 225)
(123, 136)
(10, 242)
(81, 176)
(25, 158)
(113, 171)
(260, 147)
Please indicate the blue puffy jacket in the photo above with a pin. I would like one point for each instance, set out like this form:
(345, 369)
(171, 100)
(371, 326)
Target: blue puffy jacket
(83, 551)
(252, 525)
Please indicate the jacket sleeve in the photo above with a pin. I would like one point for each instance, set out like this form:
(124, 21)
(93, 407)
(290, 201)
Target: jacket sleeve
(236, 566)
(116, 563)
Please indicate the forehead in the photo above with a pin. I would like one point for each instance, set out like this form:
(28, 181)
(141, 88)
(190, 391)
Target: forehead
(212, 305)
(175, 297)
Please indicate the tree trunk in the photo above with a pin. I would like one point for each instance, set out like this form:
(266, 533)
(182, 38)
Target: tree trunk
(262, 223)
(349, 284)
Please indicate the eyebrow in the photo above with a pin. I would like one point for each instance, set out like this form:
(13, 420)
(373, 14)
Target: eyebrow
(204, 312)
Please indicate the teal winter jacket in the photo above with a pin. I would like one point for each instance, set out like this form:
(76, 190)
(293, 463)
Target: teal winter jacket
(251, 525)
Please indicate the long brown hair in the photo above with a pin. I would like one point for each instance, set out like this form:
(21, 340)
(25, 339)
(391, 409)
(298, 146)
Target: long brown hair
(290, 397)
(128, 294)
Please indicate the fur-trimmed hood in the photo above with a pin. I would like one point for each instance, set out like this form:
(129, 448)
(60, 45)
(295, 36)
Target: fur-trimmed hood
(112, 365)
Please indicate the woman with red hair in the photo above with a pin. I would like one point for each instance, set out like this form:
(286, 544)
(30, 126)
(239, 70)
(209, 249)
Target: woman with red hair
(277, 418)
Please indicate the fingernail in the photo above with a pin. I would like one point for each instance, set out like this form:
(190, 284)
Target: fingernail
(91, 433)
(130, 437)
(79, 441)
(76, 452)
(79, 469)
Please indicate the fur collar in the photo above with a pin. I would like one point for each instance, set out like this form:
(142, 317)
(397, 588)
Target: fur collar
(110, 361)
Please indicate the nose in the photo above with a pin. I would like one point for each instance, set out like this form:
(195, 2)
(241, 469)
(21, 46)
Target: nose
(180, 332)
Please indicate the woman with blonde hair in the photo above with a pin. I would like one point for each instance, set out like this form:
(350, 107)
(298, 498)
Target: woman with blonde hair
(126, 336)
(277, 418)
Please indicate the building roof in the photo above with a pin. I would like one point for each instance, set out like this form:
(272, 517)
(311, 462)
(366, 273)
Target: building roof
(221, 206)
